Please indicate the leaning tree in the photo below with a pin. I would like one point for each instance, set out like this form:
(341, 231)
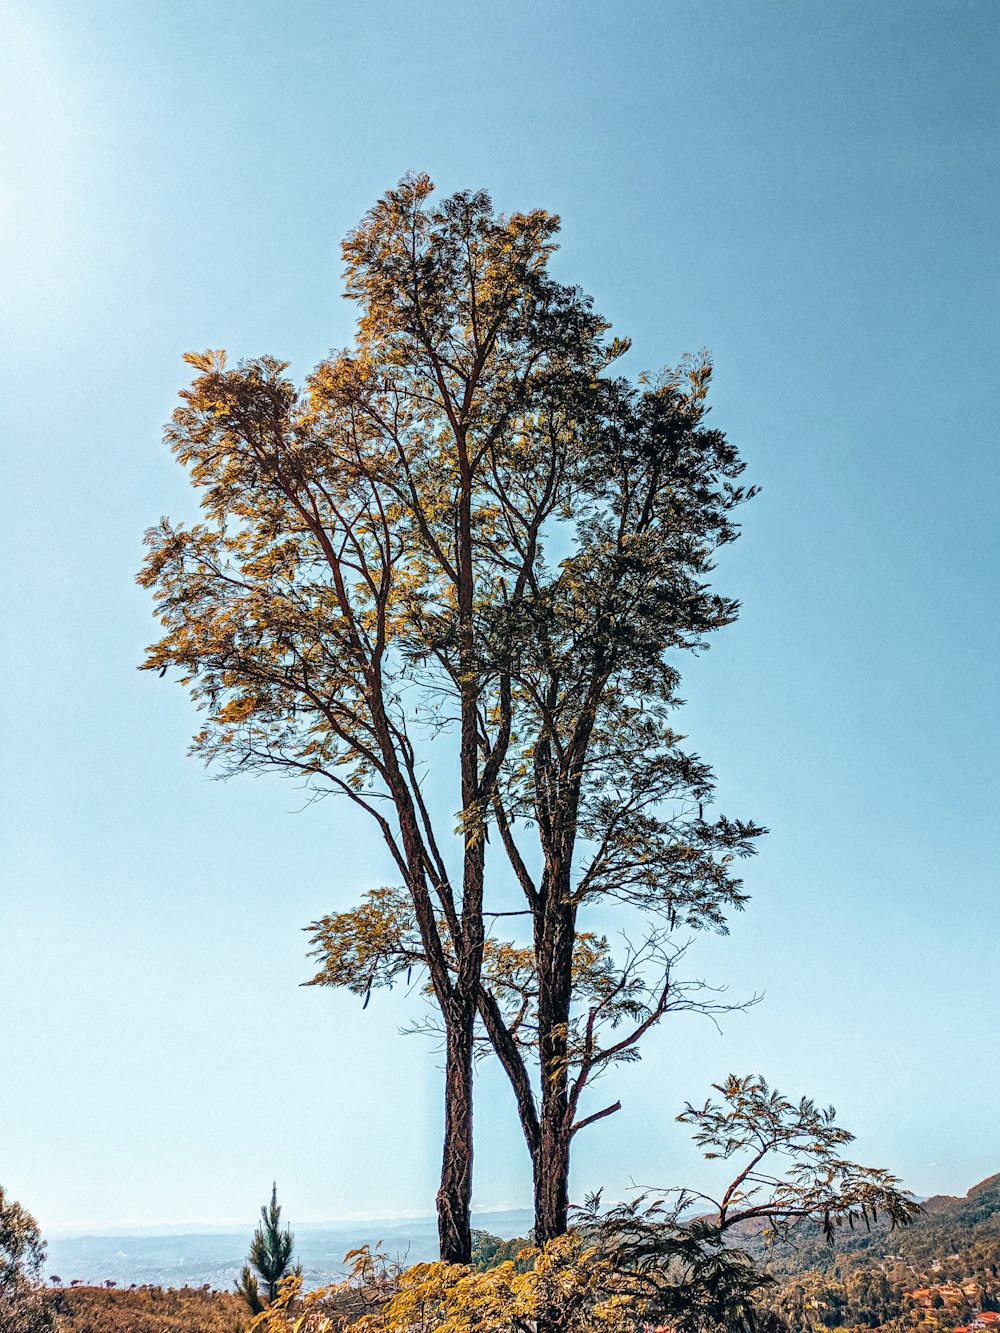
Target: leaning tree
(456, 573)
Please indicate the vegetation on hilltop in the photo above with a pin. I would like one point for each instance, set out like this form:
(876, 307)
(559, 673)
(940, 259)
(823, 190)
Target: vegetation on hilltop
(937, 1274)
(147, 1310)
(637, 1264)
(940, 1273)
(943, 1272)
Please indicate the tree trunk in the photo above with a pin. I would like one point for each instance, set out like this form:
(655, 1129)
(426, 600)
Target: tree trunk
(458, 1002)
(551, 1184)
(454, 1198)
(455, 1194)
(554, 938)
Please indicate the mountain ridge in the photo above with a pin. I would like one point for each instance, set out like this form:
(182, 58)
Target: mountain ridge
(191, 1258)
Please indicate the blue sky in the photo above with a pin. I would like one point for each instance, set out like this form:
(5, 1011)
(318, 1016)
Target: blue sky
(810, 191)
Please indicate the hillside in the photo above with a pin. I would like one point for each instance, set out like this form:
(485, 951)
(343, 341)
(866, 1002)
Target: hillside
(948, 1224)
(943, 1272)
(156, 1310)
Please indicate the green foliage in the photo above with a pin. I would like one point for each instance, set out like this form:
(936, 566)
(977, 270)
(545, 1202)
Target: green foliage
(867, 1279)
(248, 1288)
(269, 1260)
(23, 1308)
(816, 1183)
(488, 1250)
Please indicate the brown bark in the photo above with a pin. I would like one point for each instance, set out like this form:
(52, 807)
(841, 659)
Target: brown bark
(457, 998)
(555, 933)
(454, 1197)
(551, 1184)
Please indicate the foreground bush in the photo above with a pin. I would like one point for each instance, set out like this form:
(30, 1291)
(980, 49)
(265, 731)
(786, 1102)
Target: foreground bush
(633, 1273)
(672, 1262)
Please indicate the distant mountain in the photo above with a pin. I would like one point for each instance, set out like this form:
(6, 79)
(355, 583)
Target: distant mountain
(983, 1195)
(177, 1258)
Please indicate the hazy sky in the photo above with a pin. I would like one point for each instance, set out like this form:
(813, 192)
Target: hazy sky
(810, 190)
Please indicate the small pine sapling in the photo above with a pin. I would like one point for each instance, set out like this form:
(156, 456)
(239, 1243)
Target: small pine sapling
(269, 1260)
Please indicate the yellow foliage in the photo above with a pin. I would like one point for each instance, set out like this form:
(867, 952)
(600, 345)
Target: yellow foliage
(566, 1286)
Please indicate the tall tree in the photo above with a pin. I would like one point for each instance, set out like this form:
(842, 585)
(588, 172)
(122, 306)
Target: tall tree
(617, 803)
(372, 572)
(594, 773)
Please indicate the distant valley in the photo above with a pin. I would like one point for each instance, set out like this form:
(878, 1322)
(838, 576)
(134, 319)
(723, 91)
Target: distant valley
(178, 1258)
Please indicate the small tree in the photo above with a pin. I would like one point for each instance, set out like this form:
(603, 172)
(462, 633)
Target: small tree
(23, 1308)
(270, 1255)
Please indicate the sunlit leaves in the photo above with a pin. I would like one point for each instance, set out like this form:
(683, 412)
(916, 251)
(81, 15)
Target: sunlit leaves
(370, 946)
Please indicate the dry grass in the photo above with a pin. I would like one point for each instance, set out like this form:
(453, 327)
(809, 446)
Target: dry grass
(153, 1310)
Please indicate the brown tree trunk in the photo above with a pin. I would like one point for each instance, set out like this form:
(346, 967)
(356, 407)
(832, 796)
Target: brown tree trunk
(551, 1184)
(455, 1194)
(554, 936)
(454, 1198)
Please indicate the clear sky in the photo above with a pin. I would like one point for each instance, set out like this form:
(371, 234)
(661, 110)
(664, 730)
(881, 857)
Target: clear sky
(811, 191)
